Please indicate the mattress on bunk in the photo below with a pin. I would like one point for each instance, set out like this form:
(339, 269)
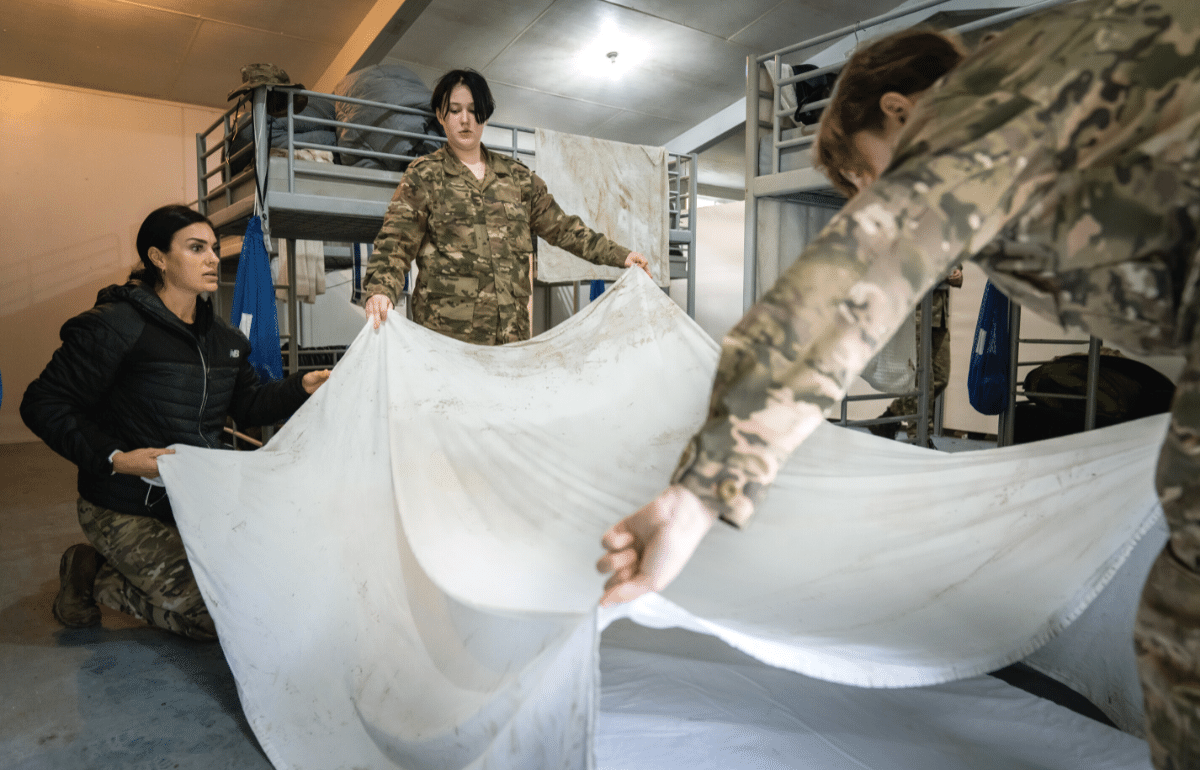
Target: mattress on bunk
(403, 576)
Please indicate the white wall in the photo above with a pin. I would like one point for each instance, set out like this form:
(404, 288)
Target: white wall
(719, 246)
(81, 169)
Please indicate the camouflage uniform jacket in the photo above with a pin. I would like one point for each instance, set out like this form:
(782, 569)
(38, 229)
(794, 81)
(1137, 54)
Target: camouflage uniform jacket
(472, 240)
(1061, 157)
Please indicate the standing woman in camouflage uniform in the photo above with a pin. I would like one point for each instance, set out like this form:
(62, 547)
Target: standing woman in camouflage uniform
(149, 366)
(1063, 157)
(467, 217)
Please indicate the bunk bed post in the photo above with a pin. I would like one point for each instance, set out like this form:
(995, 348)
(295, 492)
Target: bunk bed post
(923, 369)
(1093, 382)
(776, 106)
(202, 176)
(291, 146)
(293, 310)
(262, 143)
(750, 254)
(693, 178)
(226, 167)
(1006, 429)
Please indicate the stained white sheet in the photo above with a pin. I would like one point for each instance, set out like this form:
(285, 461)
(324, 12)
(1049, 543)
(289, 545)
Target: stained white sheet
(616, 188)
(403, 576)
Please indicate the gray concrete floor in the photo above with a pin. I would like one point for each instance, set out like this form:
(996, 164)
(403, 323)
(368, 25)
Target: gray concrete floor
(124, 695)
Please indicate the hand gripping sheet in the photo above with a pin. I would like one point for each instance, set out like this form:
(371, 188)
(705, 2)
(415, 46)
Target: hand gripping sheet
(403, 577)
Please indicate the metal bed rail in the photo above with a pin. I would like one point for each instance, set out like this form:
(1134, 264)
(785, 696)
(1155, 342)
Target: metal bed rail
(236, 119)
(775, 60)
(1007, 426)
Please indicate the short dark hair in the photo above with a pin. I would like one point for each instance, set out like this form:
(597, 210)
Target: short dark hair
(157, 231)
(485, 105)
(907, 63)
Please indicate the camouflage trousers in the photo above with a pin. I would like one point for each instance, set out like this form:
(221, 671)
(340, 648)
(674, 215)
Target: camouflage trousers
(145, 571)
(938, 380)
(1167, 636)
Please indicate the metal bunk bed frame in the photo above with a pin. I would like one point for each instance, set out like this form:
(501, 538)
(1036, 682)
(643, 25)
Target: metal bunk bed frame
(298, 207)
(807, 184)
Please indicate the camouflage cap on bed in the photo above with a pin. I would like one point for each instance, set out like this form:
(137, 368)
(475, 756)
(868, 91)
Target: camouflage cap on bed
(255, 75)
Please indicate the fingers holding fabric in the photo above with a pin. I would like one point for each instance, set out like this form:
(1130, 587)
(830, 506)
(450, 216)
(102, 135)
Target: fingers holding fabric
(377, 307)
(636, 259)
(139, 462)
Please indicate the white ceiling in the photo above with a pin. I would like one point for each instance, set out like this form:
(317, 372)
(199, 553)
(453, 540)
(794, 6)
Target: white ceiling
(679, 61)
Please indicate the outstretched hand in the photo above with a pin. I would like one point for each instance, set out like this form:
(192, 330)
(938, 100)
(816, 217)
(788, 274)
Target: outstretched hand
(313, 380)
(649, 548)
(637, 259)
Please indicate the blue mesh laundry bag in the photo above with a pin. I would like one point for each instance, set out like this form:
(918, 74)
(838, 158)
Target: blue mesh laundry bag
(987, 380)
(254, 304)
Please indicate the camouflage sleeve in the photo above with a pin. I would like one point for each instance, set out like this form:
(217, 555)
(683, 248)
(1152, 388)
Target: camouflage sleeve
(791, 358)
(399, 239)
(567, 231)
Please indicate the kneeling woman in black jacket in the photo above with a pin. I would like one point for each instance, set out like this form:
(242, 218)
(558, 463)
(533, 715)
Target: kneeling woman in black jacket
(149, 366)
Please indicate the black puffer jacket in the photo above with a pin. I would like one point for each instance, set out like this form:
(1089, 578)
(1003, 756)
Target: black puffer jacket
(131, 374)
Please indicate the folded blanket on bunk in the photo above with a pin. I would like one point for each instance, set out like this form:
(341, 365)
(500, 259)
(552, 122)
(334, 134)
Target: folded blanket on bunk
(403, 577)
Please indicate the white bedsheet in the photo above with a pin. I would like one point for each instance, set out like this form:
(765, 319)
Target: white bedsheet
(403, 577)
(684, 703)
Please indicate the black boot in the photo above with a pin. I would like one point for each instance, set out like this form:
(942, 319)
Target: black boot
(75, 606)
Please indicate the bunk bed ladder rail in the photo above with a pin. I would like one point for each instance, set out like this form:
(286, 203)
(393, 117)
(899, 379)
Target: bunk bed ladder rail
(682, 220)
(1006, 429)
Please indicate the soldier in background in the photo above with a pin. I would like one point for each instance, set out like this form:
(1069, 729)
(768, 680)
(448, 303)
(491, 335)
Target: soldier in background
(939, 359)
(467, 216)
(1062, 157)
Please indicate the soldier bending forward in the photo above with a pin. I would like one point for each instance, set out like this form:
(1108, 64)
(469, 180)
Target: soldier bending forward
(1062, 157)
